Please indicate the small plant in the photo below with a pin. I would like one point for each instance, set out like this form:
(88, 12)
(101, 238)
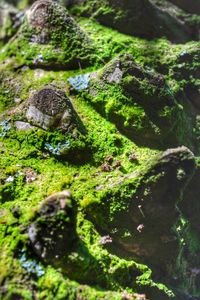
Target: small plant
(80, 82)
(56, 150)
(5, 126)
(31, 266)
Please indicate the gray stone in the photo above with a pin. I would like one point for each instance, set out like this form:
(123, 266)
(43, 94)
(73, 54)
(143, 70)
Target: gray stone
(23, 126)
(49, 108)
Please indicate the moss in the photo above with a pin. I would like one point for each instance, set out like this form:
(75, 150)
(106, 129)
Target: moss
(80, 170)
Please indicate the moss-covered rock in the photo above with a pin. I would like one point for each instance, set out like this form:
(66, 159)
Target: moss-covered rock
(49, 38)
(141, 18)
(133, 211)
(52, 234)
(139, 102)
(131, 230)
(190, 205)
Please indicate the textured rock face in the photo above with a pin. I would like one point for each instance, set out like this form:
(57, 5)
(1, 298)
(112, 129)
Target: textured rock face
(52, 234)
(171, 173)
(190, 206)
(131, 229)
(49, 108)
(40, 18)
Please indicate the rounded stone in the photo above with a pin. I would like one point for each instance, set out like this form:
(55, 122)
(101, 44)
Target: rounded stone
(38, 14)
(49, 108)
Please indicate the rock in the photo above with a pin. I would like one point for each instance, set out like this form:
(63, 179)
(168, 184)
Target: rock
(50, 38)
(39, 17)
(188, 228)
(138, 17)
(23, 126)
(10, 20)
(138, 101)
(49, 108)
(187, 64)
(188, 5)
(52, 234)
(142, 223)
(161, 190)
(186, 69)
(190, 206)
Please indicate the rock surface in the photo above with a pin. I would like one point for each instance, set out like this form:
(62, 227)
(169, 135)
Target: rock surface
(144, 216)
(49, 108)
(152, 105)
(187, 5)
(52, 234)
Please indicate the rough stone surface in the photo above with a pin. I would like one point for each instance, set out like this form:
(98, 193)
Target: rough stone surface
(49, 108)
(190, 206)
(188, 5)
(131, 230)
(23, 126)
(50, 38)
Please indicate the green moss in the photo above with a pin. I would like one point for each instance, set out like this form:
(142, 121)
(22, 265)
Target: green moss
(97, 193)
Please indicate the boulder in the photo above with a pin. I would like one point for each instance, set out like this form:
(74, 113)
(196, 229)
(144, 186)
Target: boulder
(138, 101)
(52, 233)
(50, 38)
(49, 108)
(146, 212)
